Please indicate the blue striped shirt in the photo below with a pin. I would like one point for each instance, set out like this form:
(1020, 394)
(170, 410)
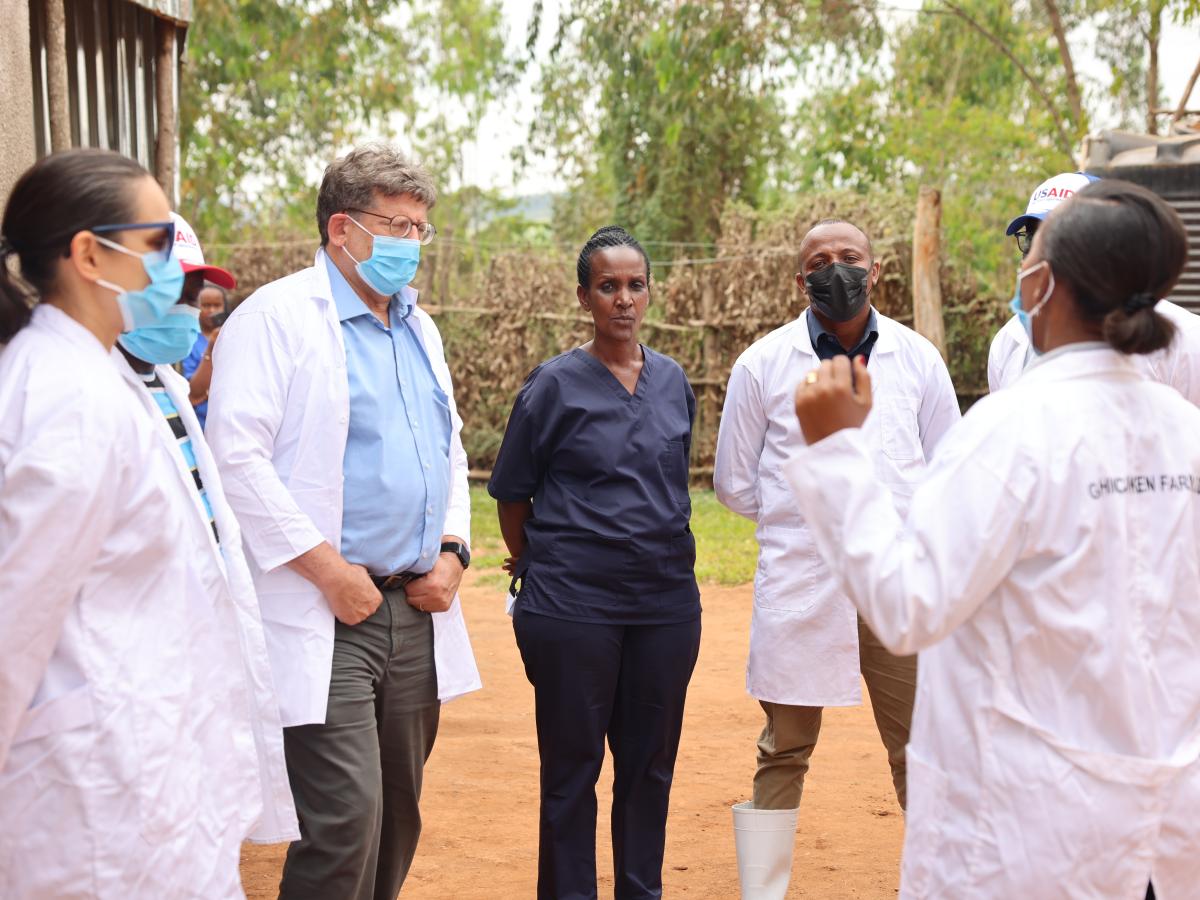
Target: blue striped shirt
(184, 441)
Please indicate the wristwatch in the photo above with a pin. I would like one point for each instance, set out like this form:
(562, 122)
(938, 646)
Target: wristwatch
(459, 550)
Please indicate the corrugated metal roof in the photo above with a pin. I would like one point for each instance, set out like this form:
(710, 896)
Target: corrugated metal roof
(110, 77)
(176, 10)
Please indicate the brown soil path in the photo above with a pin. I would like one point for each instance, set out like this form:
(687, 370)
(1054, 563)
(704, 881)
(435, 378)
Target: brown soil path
(480, 801)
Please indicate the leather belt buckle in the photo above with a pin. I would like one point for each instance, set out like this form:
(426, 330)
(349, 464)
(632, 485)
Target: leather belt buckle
(393, 582)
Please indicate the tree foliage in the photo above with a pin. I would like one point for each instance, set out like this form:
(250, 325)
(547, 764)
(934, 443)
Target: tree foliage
(666, 112)
(271, 90)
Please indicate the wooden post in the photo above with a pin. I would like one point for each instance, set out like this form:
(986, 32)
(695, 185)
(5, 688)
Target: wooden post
(164, 100)
(926, 268)
(57, 88)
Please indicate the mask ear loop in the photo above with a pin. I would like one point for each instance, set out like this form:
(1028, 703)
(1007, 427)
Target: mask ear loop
(346, 249)
(1037, 307)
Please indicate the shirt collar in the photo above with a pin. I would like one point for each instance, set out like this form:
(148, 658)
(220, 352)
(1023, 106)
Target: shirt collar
(816, 330)
(350, 306)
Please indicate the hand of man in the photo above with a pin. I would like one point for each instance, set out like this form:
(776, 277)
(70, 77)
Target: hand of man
(833, 397)
(434, 591)
(353, 596)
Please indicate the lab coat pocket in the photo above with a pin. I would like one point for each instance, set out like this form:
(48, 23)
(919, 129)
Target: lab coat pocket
(41, 730)
(788, 570)
(900, 431)
(73, 709)
(1045, 819)
(927, 788)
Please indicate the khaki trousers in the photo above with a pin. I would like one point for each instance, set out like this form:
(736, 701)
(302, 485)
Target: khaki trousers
(790, 734)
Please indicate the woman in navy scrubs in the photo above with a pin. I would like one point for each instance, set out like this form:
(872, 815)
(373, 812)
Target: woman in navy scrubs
(592, 487)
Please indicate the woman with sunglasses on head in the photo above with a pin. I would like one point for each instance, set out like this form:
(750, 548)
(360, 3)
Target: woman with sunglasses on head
(1048, 573)
(127, 746)
(592, 487)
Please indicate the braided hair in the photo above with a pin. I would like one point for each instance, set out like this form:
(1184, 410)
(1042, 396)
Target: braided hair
(606, 237)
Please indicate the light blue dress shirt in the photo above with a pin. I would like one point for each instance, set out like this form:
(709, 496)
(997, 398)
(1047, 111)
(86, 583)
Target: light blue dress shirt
(397, 462)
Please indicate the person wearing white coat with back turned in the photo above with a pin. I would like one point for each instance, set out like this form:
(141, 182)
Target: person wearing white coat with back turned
(332, 419)
(807, 648)
(1047, 572)
(130, 700)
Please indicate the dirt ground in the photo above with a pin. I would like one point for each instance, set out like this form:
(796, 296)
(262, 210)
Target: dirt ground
(480, 801)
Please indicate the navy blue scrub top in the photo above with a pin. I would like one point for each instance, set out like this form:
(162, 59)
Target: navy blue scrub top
(609, 539)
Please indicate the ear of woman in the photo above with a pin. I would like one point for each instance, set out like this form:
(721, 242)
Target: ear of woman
(835, 396)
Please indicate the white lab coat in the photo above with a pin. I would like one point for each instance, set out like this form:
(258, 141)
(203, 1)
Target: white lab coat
(1048, 574)
(128, 766)
(1177, 365)
(803, 631)
(278, 416)
(278, 821)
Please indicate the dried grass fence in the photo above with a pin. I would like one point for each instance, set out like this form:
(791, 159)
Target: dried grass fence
(705, 310)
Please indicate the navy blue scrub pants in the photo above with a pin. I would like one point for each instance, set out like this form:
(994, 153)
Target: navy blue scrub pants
(626, 683)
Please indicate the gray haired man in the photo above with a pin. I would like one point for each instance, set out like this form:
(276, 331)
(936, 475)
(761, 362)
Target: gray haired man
(332, 418)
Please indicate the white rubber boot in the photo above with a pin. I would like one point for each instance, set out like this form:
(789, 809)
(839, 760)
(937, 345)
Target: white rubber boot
(765, 839)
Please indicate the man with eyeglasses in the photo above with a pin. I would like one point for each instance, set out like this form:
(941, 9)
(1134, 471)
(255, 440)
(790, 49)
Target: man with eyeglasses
(1010, 350)
(1178, 365)
(332, 418)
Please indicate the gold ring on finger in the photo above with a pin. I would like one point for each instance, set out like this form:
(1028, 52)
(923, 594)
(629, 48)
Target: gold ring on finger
(810, 378)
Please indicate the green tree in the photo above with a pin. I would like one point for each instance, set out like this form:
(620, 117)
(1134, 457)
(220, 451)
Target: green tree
(271, 89)
(664, 112)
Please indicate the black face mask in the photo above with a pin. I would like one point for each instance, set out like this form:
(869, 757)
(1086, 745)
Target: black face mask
(838, 291)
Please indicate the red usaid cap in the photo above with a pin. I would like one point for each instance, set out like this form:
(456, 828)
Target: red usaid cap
(191, 257)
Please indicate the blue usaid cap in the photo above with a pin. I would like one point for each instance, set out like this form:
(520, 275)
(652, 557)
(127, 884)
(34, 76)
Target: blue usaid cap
(1048, 195)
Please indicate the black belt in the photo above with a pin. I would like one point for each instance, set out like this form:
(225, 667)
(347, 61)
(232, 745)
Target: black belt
(394, 582)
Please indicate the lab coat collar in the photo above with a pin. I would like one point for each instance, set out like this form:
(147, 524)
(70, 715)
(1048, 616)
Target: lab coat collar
(885, 343)
(347, 303)
(1081, 360)
(48, 316)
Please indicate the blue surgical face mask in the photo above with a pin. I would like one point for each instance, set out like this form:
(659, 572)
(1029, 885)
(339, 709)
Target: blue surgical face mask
(148, 305)
(168, 341)
(392, 264)
(1026, 318)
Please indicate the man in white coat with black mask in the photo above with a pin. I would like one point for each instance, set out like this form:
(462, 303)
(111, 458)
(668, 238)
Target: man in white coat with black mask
(808, 649)
(332, 418)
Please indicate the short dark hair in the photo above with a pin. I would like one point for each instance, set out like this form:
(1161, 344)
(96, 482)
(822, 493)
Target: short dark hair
(56, 198)
(1121, 248)
(603, 239)
(351, 182)
(854, 225)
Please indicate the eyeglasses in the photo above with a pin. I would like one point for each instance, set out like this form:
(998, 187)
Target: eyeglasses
(163, 253)
(1025, 238)
(402, 226)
